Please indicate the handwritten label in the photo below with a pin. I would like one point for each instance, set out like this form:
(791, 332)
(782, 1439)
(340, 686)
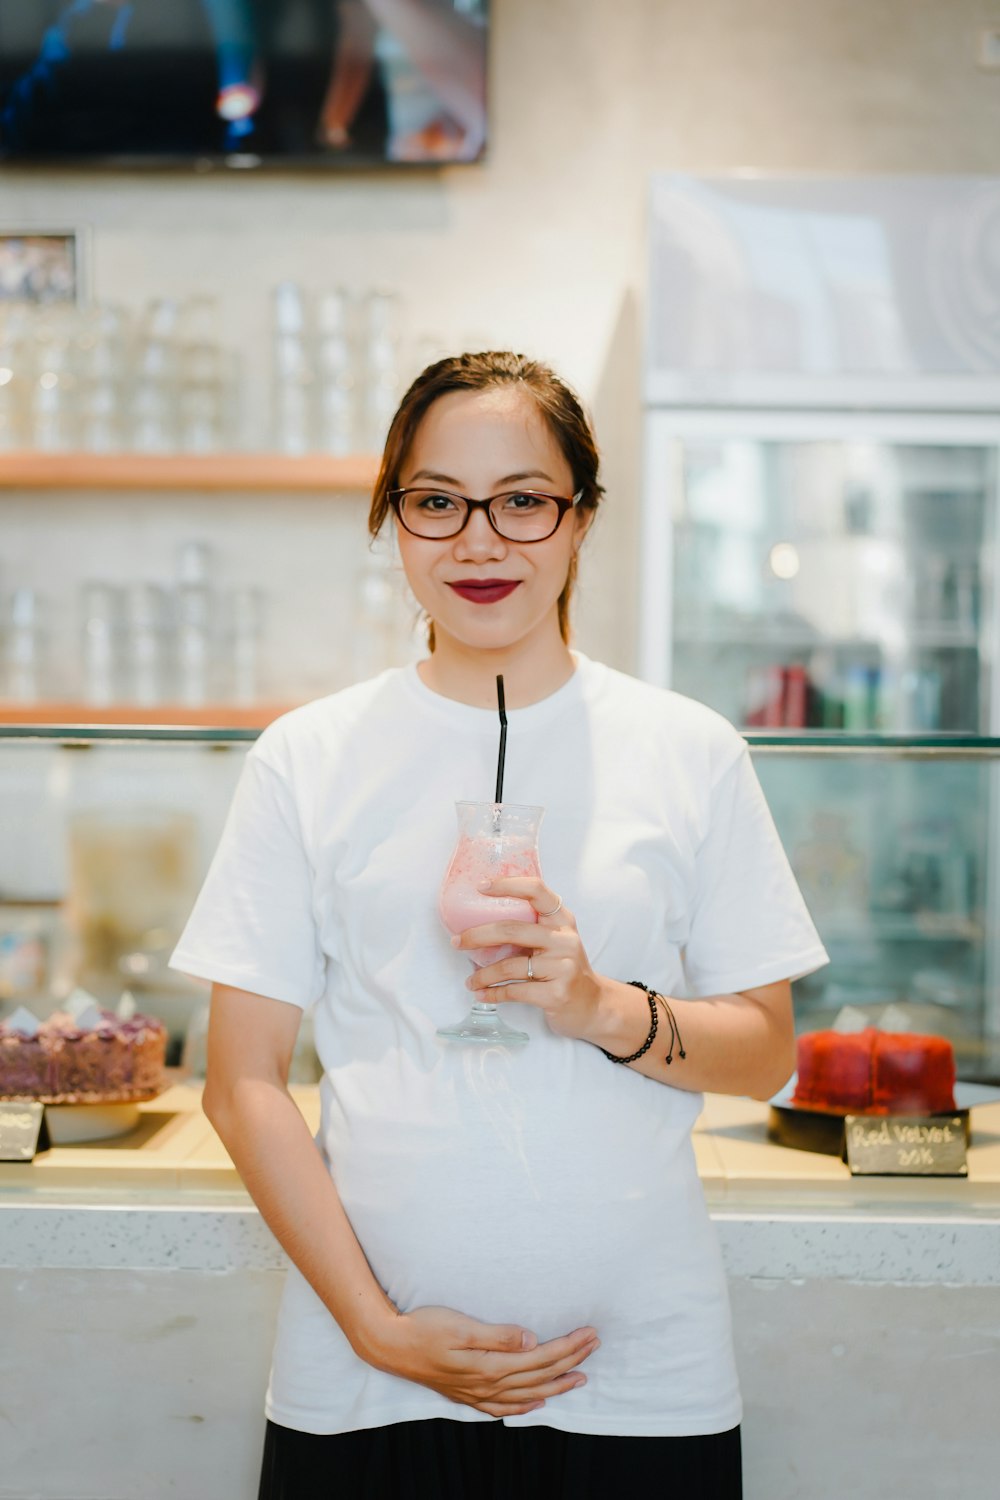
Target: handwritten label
(22, 1129)
(905, 1145)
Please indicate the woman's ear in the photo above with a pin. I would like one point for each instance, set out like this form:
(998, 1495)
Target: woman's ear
(584, 519)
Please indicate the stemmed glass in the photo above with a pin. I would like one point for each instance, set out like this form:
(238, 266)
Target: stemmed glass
(495, 839)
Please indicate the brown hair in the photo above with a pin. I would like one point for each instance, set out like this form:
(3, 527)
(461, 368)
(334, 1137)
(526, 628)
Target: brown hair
(556, 402)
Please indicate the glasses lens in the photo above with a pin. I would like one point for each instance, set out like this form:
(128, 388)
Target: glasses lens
(432, 512)
(524, 517)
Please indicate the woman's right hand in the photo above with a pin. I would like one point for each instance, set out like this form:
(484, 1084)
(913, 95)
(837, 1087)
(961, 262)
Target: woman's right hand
(500, 1369)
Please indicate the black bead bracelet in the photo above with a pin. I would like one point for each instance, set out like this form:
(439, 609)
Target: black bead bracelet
(654, 1025)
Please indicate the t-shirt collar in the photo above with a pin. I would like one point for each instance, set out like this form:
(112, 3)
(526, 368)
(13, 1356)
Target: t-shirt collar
(485, 719)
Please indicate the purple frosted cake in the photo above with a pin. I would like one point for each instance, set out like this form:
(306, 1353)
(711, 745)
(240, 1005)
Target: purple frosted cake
(62, 1062)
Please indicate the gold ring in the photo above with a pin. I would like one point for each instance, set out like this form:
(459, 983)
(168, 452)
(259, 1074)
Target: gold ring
(557, 907)
(530, 974)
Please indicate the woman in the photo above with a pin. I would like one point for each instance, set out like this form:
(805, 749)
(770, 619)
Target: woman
(480, 1233)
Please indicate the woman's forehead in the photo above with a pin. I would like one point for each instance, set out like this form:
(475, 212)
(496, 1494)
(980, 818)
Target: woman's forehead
(497, 426)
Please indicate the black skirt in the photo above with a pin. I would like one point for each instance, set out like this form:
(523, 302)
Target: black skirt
(488, 1461)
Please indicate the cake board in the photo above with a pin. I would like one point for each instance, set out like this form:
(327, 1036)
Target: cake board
(823, 1130)
(71, 1119)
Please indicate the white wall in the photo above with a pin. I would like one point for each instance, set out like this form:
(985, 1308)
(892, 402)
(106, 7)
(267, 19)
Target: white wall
(542, 247)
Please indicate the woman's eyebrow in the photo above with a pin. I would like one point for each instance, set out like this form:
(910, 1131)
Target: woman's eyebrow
(507, 478)
(437, 478)
(529, 474)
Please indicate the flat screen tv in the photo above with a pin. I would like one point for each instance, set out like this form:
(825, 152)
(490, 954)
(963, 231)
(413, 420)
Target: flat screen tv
(244, 83)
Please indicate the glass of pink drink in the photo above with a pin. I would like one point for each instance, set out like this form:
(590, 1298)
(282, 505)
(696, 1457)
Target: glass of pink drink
(494, 839)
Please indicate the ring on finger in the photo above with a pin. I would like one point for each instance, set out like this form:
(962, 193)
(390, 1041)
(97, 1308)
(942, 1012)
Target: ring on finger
(557, 907)
(531, 972)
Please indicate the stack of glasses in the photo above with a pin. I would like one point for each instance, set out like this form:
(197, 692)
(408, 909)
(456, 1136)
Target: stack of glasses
(141, 643)
(335, 370)
(97, 380)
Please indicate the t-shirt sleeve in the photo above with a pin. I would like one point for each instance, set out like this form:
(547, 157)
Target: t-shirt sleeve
(749, 924)
(252, 925)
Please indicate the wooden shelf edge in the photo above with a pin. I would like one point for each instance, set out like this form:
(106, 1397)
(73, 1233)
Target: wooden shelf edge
(315, 472)
(77, 715)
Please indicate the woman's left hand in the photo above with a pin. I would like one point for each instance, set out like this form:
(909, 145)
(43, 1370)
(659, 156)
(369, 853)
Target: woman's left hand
(562, 983)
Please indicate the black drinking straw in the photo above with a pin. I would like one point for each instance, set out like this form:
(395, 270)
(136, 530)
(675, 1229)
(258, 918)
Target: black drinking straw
(503, 738)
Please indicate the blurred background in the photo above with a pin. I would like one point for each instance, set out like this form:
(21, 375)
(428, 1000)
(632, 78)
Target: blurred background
(762, 240)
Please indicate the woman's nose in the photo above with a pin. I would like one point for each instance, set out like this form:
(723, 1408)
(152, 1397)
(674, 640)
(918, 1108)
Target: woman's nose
(478, 541)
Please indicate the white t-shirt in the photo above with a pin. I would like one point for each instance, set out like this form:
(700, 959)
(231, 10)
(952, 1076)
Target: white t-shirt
(542, 1185)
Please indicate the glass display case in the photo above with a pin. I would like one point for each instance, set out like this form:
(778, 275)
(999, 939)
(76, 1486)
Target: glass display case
(895, 842)
(825, 571)
(108, 833)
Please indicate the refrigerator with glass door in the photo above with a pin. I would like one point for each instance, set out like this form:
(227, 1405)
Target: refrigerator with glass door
(820, 542)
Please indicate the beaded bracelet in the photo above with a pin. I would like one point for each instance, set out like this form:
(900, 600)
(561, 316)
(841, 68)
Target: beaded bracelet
(654, 1022)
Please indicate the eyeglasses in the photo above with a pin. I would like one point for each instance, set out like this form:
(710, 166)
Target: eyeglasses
(517, 516)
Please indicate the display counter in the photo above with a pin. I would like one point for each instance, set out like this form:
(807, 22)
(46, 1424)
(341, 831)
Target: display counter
(140, 1288)
(894, 841)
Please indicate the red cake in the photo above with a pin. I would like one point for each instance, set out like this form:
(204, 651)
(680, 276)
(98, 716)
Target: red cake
(63, 1063)
(875, 1072)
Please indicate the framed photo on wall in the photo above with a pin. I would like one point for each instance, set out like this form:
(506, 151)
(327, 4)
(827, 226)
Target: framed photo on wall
(40, 266)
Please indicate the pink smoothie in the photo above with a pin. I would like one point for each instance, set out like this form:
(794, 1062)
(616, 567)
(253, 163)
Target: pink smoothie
(463, 905)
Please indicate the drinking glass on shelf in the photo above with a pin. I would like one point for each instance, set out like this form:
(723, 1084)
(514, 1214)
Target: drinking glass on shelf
(245, 610)
(201, 415)
(153, 415)
(293, 395)
(102, 334)
(333, 319)
(202, 375)
(335, 375)
(195, 614)
(195, 645)
(12, 423)
(198, 325)
(336, 416)
(101, 425)
(293, 375)
(53, 389)
(102, 373)
(156, 344)
(495, 839)
(100, 642)
(288, 305)
(24, 644)
(13, 380)
(145, 644)
(153, 406)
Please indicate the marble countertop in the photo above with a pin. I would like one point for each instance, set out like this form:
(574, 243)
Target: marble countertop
(168, 1198)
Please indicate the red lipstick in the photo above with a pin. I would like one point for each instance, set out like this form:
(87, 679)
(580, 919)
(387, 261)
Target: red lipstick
(484, 590)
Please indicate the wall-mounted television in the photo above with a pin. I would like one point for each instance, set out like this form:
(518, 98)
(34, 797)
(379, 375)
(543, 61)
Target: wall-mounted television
(242, 83)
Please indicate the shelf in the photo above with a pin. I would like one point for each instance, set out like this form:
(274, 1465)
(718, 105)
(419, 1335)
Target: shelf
(316, 472)
(76, 714)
